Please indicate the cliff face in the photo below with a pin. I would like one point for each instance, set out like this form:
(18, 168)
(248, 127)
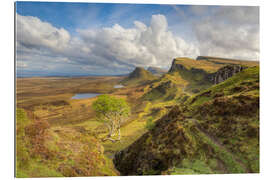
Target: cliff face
(219, 76)
(224, 73)
(176, 66)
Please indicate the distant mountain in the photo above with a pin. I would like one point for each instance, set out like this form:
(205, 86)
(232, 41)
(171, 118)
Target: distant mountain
(139, 75)
(156, 70)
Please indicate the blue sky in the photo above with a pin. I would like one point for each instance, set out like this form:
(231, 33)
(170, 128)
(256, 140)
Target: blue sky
(102, 38)
(84, 15)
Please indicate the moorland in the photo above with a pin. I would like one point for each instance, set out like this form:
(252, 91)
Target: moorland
(199, 117)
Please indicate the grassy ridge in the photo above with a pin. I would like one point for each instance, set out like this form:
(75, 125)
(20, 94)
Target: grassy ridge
(189, 63)
(218, 60)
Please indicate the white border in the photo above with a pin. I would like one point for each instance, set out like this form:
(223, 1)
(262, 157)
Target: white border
(7, 87)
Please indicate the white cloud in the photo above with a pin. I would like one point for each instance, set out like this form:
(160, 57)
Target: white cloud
(139, 46)
(32, 32)
(107, 48)
(231, 32)
(21, 64)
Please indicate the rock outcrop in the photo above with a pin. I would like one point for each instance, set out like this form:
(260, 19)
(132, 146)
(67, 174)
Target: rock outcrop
(219, 76)
(225, 72)
(176, 66)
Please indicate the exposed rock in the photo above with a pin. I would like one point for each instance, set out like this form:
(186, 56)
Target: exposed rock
(225, 72)
(202, 58)
(176, 66)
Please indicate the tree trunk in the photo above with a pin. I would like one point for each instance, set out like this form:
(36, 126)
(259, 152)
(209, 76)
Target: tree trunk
(119, 134)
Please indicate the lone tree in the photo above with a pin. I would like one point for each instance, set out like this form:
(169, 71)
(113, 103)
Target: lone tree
(112, 111)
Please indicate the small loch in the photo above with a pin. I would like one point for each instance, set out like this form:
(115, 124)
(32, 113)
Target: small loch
(118, 86)
(85, 95)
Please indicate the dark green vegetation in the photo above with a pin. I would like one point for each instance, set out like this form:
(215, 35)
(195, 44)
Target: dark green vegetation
(201, 117)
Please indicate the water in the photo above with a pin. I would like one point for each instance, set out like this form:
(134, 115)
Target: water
(118, 86)
(84, 95)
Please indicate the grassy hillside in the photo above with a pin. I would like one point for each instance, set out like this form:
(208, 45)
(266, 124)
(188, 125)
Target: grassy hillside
(166, 88)
(138, 76)
(45, 151)
(230, 112)
(177, 145)
(180, 123)
(215, 131)
(189, 63)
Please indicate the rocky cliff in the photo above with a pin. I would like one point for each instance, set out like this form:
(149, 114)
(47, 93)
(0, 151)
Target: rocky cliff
(221, 74)
(225, 72)
(176, 66)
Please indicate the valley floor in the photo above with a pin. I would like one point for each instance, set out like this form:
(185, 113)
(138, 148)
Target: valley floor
(49, 100)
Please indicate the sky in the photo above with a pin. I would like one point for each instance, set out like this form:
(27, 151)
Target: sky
(112, 39)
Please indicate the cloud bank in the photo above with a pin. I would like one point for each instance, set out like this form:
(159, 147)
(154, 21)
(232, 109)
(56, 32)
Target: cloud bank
(231, 32)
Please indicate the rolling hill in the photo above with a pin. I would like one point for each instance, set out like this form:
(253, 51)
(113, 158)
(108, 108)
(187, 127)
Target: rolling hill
(138, 76)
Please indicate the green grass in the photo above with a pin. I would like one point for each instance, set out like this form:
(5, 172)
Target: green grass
(189, 63)
(249, 75)
(229, 160)
(138, 76)
(168, 87)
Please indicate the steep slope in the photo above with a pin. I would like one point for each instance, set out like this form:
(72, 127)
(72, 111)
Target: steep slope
(45, 151)
(230, 111)
(202, 74)
(188, 76)
(166, 88)
(216, 131)
(138, 76)
(156, 71)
